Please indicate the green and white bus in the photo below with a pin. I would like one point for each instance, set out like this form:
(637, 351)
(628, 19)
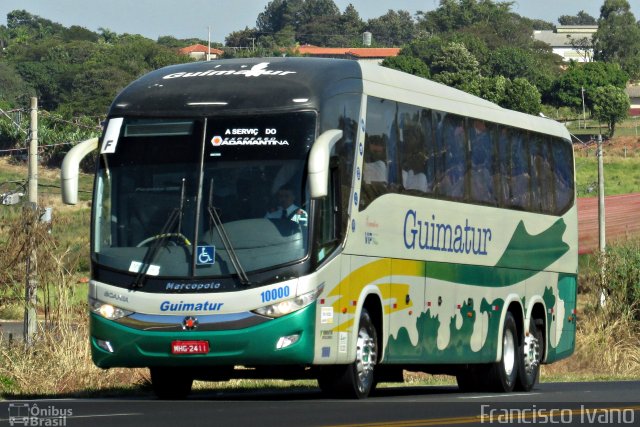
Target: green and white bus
(329, 219)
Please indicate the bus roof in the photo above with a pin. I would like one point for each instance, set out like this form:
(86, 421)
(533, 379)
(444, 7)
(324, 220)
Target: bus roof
(251, 85)
(237, 85)
(392, 84)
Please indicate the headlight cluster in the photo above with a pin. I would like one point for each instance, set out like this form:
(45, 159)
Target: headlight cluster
(287, 306)
(107, 311)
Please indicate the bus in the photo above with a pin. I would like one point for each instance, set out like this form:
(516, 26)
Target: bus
(327, 219)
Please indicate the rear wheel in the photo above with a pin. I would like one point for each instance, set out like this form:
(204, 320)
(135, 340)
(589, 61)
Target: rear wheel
(355, 380)
(171, 383)
(531, 358)
(501, 376)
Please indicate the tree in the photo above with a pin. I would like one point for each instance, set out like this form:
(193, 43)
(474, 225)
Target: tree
(279, 14)
(492, 89)
(618, 37)
(352, 26)
(584, 46)
(408, 64)
(520, 95)
(582, 18)
(24, 26)
(76, 32)
(242, 38)
(108, 36)
(610, 105)
(493, 22)
(455, 66)
(4, 38)
(395, 28)
(567, 89)
(13, 89)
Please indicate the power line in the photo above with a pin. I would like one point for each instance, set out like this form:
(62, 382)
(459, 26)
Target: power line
(39, 147)
(13, 121)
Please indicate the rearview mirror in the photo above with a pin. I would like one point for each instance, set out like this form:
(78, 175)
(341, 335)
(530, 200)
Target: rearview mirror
(70, 169)
(319, 162)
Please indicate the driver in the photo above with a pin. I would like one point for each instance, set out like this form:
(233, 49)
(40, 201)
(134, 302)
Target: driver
(287, 209)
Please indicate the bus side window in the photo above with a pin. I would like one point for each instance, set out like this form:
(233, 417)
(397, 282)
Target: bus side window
(482, 162)
(412, 153)
(504, 167)
(377, 173)
(520, 177)
(452, 185)
(563, 178)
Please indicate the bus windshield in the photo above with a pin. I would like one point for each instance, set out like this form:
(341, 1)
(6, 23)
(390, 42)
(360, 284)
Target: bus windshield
(204, 197)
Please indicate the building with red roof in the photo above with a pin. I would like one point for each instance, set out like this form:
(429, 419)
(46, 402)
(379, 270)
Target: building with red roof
(357, 53)
(201, 52)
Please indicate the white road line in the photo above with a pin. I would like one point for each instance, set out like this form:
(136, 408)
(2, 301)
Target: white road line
(106, 415)
(498, 395)
(88, 416)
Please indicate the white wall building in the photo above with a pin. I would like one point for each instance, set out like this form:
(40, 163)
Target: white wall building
(572, 42)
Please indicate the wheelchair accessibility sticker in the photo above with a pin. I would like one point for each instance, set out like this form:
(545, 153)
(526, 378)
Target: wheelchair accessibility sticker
(206, 255)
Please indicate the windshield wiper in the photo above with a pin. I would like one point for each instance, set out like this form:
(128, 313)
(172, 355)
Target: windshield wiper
(224, 237)
(159, 240)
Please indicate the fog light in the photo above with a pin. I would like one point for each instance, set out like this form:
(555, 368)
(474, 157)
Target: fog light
(105, 345)
(286, 341)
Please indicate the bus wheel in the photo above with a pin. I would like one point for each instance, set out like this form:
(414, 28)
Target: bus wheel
(531, 358)
(355, 380)
(170, 383)
(501, 375)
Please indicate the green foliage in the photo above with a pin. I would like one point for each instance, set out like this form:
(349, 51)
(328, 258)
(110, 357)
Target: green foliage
(621, 286)
(610, 105)
(618, 37)
(395, 28)
(13, 89)
(242, 38)
(567, 90)
(520, 95)
(493, 22)
(581, 18)
(408, 64)
(174, 43)
(454, 65)
(492, 89)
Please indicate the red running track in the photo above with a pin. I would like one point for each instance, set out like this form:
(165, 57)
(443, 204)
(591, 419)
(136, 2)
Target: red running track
(622, 218)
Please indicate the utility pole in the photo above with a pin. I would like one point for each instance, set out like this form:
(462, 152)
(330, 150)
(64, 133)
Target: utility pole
(584, 114)
(30, 319)
(209, 43)
(601, 220)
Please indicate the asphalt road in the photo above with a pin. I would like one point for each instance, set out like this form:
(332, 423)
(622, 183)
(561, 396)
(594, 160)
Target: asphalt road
(613, 403)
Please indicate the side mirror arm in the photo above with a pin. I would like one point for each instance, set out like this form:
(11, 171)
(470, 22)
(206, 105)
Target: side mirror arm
(70, 169)
(319, 157)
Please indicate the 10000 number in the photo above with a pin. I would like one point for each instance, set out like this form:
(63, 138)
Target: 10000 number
(274, 294)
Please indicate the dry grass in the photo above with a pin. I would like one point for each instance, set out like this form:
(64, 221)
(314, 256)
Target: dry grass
(605, 350)
(59, 363)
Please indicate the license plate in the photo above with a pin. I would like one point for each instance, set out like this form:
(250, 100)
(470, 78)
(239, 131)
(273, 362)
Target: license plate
(189, 347)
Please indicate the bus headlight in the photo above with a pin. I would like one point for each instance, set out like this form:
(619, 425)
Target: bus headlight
(106, 310)
(287, 306)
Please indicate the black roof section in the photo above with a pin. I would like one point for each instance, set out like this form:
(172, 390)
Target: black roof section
(237, 85)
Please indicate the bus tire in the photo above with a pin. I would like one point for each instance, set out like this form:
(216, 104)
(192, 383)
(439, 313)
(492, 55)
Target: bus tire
(168, 383)
(357, 379)
(531, 358)
(501, 376)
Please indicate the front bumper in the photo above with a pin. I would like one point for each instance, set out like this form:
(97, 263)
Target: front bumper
(251, 346)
